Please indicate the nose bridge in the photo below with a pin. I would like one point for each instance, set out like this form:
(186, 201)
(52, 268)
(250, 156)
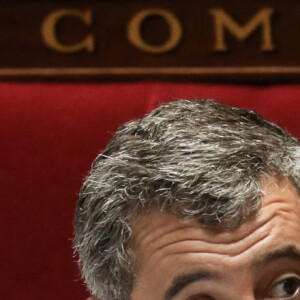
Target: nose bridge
(242, 283)
(249, 297)
(242, 294)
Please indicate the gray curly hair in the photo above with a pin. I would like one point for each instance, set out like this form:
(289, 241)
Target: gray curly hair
(195, 159)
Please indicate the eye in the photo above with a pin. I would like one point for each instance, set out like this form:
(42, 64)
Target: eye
(200, 297)
(287, 287)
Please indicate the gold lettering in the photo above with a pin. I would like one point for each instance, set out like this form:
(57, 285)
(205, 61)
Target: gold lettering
(134, 31)
(48, 31)
(223, 21)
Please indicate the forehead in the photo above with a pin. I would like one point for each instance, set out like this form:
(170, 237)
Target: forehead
(166, 245)
(279, 197)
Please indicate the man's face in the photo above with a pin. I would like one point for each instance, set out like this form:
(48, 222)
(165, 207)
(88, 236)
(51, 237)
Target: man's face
(180, 260)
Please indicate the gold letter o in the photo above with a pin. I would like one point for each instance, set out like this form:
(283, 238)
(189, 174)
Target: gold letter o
(134, 31)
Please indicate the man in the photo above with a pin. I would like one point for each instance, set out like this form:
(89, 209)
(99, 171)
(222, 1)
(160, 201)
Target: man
(196, 201)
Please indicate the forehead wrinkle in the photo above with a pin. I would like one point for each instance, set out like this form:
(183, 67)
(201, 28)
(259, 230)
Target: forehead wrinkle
(234, 250)
(171, 250)
(149, 235)
(195, 234)
(155, 239)
(236, 254)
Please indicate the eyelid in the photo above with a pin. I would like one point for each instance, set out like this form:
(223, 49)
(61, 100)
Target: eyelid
(284, 276)
(200, 296)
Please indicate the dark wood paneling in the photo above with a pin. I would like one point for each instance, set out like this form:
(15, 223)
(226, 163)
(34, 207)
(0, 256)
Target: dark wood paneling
(25, 55)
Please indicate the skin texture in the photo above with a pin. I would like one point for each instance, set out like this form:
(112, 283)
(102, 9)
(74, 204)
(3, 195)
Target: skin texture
(166, 246)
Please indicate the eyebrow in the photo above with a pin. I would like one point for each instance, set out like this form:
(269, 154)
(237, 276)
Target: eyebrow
(181, 281)
(290, 252)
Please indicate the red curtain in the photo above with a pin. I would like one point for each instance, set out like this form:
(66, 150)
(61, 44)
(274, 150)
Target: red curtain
(50, 134)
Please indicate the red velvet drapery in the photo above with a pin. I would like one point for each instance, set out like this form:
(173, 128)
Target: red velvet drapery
(50, 133)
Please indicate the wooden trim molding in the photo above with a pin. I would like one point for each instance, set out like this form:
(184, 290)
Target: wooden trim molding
(48, 72)
(200, 40)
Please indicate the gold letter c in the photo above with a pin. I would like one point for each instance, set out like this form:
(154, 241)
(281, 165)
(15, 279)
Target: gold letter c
(49, 25)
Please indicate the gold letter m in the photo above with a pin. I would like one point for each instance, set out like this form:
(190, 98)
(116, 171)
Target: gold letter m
(222, 20)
